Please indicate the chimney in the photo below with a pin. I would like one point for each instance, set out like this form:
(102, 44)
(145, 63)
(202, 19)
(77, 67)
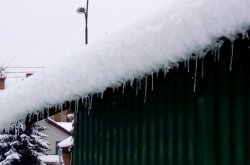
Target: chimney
(29, 74)
(2, 83)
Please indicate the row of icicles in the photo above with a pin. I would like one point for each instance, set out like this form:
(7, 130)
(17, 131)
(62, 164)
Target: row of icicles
(86, 101)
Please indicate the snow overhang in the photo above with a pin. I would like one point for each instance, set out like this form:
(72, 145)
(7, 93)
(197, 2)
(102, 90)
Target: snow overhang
(140, 37)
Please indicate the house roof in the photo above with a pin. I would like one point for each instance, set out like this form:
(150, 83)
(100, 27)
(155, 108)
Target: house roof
(63, 126)
(68, 142)
(127, 40)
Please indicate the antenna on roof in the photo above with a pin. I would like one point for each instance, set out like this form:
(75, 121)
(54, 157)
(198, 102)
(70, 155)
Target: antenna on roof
(6, 70)
(81, 10)
(2, 73)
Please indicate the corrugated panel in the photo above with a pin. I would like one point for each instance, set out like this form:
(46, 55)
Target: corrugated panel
(175, 126)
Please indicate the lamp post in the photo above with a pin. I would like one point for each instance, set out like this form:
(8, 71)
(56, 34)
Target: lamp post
(82, 10)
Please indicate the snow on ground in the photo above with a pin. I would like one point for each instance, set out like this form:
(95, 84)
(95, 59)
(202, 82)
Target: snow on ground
(127, 39)
(49, 159)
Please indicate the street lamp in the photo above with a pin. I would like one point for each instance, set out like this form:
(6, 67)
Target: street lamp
(82, 10)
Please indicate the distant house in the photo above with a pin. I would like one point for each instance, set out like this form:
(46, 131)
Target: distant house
(56, 132)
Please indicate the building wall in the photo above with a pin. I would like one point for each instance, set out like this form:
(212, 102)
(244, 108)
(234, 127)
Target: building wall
(54, 135)
(181, 122)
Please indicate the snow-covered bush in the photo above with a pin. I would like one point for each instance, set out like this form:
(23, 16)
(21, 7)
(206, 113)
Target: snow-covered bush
(22, 145)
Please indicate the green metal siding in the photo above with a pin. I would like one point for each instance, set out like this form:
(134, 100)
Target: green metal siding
(175, 126)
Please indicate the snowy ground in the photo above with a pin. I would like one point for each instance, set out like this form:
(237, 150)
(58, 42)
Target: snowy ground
(127, 39)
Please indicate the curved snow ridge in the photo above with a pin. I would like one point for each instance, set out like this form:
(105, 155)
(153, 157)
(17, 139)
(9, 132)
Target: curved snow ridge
(170, 32)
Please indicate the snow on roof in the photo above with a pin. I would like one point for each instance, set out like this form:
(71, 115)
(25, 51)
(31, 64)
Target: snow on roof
(127, 39)
(66, 125)
(66, 142)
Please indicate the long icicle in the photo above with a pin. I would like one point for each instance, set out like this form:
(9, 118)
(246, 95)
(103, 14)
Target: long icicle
(137, 86)
(145, 89)
(232, 56)
(195, 75)
(218, 55)
(152, 77)
(202, 68)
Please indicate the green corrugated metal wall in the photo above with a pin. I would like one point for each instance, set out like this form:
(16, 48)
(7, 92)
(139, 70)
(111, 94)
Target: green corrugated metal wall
(175, 126)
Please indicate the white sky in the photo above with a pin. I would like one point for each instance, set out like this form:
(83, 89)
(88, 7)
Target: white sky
(36, 33)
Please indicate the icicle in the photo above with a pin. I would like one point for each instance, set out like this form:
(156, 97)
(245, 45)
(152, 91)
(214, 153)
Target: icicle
(215, 54)
(56, 108)
(131, 82)
(195, 75)
(247, 36)
(137, 84)
(90, 101)
(152, 85)
(177, 66)
(232, 55)
(102, 94)
(60, 107)
(157, 74)
(123, 87)
(202, 68)
(140, 84)
(145, 89)
(218, 53)
(165, 72)
(113, 89)
(188, 66)
(242, 35)
(85, 102)
(212, 52)
(29, 117)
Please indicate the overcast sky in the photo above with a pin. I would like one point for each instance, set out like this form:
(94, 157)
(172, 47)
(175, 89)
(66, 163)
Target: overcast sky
(38, 33)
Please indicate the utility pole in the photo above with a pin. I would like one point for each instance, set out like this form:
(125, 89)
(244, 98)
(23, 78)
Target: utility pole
(82, 10)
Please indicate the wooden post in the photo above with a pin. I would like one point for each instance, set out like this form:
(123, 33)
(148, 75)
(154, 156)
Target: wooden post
(2, 82)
